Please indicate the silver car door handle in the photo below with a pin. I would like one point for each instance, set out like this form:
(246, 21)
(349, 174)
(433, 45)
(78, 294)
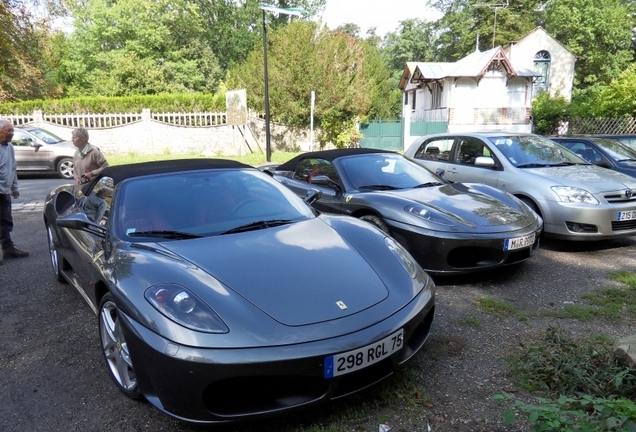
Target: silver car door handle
(452, 170)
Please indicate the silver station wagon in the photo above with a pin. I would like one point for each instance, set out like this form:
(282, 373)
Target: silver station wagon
(38, 150)
(577, 200)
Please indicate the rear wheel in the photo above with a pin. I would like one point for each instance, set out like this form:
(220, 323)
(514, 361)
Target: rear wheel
(65, 168)
(377, 221)
(115, 348)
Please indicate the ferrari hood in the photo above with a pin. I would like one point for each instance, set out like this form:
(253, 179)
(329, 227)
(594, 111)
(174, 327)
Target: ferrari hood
(591, 177)
(467, 205)
(298, 274)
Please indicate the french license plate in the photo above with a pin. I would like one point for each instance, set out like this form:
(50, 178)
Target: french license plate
(518, 242)
(626, 215)
(360, 358)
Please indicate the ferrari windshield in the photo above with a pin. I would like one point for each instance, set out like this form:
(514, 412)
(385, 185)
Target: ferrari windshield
(192, 204)
(531, 151)
(386, 171)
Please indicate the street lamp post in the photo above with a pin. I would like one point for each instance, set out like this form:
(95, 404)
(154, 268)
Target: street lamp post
(285, 11)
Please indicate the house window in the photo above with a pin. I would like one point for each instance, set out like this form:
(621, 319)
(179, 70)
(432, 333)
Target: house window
(436, 96)
(542, 67)
(413, 100)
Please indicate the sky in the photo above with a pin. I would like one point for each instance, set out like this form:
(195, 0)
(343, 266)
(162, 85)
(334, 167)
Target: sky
(383, 14)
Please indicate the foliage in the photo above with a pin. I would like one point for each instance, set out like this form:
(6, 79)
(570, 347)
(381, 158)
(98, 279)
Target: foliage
(593, 392)
(585, 413)
(26, 67)
(127, 47)
(598, 33)
(548, 112)
(616, 99)
(347, 75)
(126, 104)
(467, 24)
(234, 27)
(414, 40)
(562, 364)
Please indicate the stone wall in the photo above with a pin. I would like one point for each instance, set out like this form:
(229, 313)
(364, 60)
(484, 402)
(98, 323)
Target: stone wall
(148, 136)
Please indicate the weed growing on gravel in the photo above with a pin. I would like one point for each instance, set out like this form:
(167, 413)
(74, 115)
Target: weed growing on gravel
(497, 308)
(610, 303)
(470, 321)
(593, 391)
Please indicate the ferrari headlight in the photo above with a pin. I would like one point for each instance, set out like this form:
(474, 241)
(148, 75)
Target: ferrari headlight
(183, 307)
(403, 257)
(570, 194)
(427, 214)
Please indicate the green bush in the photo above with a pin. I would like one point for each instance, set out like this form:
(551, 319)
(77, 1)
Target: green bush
(100, 105)
(548, 112)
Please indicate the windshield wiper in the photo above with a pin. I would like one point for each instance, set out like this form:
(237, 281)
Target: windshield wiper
(429, 184)
(379, 187)
(627, 160)
(179, 235)
(533, 165)
(258, 225)
(569, 164)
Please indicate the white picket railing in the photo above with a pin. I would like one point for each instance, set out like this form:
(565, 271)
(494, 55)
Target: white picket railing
(104, 121)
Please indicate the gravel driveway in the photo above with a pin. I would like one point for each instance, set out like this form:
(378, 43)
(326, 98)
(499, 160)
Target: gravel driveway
(53, 377)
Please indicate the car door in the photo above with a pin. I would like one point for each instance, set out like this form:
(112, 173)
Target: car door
(308, 173)
(30, 154)
(463, 165)
(433, 153)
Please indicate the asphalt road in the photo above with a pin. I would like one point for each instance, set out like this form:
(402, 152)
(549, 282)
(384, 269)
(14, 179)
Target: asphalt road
(53, 377)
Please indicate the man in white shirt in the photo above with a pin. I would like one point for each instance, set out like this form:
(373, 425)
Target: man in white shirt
(8, 189)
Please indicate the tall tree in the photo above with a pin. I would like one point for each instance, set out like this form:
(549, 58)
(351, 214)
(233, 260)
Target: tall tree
(599, 33)
(344, 72)
(470, 24)
(26, 61)
(124, 47)
(234, 26)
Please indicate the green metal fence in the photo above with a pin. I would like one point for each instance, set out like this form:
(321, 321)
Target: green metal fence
(389, 135)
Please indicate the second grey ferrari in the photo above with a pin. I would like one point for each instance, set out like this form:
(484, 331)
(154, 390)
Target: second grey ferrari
(449, 228)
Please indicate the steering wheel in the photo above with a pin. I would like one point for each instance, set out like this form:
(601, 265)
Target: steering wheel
(241, 205)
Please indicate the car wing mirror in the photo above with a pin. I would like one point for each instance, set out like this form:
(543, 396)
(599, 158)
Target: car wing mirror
(312, 196)
(440, 172)
(323, 180)
(79, 221)
(485, 161)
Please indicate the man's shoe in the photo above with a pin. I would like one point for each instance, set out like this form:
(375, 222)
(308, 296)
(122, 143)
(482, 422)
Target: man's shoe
(12, 252)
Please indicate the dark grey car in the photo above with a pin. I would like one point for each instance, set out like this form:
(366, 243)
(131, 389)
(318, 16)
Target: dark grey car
(37, 149)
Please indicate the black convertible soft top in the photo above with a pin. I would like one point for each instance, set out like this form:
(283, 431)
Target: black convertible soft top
(122, 172)
(328, 155)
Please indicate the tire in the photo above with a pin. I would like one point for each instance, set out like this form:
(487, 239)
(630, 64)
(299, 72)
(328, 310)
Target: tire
(54, 256)
(115, 348)
(531, 204)
(65, 168)
(377, 221)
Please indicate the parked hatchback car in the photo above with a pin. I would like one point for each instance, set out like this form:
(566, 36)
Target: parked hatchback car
(577, 200)
(37, 149)
(604, 152)
(628, 140)
(448, 227)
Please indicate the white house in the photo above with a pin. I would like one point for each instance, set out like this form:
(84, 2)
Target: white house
(486, 90)
(554, 63)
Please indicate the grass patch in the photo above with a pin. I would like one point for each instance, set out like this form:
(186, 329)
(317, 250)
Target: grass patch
(498, 308)
(470, 321)
(609, 303)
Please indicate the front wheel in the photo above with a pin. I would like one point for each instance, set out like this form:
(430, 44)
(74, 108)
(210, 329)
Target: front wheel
(115, 348)
(377, 221)
(54, 256)
(65, 168)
